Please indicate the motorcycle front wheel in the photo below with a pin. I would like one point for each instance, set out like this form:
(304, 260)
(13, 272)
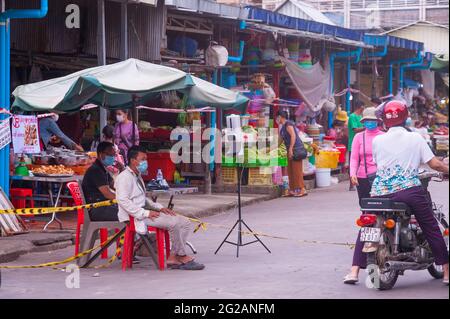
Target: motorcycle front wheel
(381, 278)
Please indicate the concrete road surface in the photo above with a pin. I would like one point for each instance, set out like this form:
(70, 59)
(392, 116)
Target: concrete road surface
(292, 270)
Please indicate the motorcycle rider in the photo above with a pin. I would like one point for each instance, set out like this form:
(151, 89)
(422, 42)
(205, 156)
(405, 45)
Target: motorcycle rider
(398, 155)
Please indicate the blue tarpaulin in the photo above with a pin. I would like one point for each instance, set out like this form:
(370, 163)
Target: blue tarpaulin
(405, 44)
(283, 21)
(395, 42)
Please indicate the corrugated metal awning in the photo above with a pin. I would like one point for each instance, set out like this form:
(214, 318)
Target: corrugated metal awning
(210, 7)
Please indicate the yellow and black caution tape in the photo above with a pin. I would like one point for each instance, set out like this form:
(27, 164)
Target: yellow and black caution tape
(51, 210)
(204, 225)
(115, 256)
(68, 260)
(201, 225)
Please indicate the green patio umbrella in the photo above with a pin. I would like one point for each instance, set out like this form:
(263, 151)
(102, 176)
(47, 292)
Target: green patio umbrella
(121, 85)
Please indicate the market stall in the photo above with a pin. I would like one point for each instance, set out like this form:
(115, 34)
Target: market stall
(127, 84)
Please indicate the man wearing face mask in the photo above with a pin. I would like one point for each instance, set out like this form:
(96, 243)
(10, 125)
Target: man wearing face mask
(132, 200)
(48, 130)
(98, 184)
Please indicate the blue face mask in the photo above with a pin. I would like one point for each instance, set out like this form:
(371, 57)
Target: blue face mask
(109, 161)
(408, 122)
(370, 125)
(142, 167)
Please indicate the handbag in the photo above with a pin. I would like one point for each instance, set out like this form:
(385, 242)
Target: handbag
(300, 153)
(370, 177)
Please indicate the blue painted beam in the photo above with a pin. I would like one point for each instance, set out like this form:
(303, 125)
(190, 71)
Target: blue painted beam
(5, 73)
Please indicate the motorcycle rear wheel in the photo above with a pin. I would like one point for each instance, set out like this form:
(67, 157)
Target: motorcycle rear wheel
(386, 280)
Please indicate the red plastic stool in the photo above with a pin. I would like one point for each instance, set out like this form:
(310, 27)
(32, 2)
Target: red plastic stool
(162, 238)
(18, 198)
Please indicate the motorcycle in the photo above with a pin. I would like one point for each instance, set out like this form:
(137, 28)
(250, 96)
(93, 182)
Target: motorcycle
(394, 241)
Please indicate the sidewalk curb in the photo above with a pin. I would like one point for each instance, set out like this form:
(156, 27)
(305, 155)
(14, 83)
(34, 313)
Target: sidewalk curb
(225, 207)
(13, 247)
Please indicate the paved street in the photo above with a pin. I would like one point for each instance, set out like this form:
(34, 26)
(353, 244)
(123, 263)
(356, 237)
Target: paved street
(293, 270)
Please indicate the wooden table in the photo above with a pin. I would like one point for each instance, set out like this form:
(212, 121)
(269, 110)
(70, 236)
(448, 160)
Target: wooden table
(62, 181)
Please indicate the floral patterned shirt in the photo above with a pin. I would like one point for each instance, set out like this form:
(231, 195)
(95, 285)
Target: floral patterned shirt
(398, 155)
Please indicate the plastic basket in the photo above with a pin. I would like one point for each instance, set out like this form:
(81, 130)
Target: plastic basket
(259, 176)
(327, 159)
(229, 175)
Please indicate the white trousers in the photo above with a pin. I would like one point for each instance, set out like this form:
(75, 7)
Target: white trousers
(178, 227)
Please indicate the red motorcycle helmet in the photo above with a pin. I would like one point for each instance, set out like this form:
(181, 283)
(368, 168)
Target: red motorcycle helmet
(395, 113)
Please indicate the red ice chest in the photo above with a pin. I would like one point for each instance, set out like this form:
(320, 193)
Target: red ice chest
(343, 149)
(160, 160)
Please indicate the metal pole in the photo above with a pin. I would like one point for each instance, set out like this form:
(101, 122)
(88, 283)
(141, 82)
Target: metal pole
(101, 51)
(6, 149)
(5, 16)
(124, 31)
(4, 164)
(349, 75)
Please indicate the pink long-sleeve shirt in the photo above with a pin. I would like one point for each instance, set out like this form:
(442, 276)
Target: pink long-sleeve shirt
(357, 159)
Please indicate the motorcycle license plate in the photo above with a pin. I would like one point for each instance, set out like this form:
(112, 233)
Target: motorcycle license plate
(370, 234)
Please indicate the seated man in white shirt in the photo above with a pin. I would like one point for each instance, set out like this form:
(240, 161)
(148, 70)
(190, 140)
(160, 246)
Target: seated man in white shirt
(132, 201)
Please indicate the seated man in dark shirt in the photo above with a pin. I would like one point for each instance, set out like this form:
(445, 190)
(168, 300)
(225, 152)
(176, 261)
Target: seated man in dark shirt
(98, 184)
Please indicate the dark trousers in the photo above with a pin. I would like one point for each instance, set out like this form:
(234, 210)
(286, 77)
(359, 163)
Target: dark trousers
(104, 214)
(417, 200)
(360, 258)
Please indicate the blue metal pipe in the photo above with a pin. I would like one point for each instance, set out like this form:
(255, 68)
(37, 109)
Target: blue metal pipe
(356, 55)
(5, 73)
(212, 140)
(400, 62)
(378, 41)
(238, 59)
(27, 13)
(348, 94)
(421, 66)
(4, 167)
(418, 61)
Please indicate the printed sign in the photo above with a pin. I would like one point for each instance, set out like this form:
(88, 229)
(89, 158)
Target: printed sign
(5, 133)
(25, 134)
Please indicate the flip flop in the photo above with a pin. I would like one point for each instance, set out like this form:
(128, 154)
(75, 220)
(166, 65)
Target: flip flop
(301, 195)
(192, 265)
(174, 266)
(350, 280)
(288, 195)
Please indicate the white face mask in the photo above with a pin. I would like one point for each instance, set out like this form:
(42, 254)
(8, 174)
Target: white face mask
(120, 118)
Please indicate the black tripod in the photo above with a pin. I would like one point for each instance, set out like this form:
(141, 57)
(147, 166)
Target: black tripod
(240, 222)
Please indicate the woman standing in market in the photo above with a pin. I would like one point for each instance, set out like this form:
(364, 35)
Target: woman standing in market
(362, 173)
(126, 133)
(296, 154)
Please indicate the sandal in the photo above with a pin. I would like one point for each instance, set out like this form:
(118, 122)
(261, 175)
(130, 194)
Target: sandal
(350, 280)
(301, 194)
(174, 266)
(192, 265)
(445, 282)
